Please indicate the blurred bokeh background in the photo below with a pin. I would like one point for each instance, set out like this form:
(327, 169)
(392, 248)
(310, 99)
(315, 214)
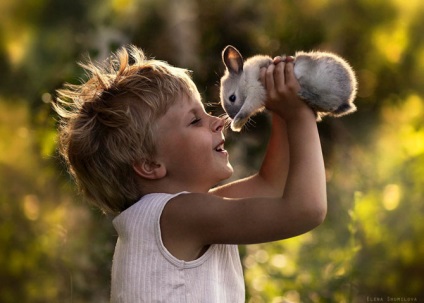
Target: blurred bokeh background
(56, 248)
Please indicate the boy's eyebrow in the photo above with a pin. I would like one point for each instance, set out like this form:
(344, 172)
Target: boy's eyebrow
(196, 109)
(189, 113)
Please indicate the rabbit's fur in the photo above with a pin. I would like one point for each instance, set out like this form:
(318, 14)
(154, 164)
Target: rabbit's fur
(328, 84)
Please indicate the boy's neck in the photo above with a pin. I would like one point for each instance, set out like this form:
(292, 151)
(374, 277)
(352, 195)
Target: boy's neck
(164, 186)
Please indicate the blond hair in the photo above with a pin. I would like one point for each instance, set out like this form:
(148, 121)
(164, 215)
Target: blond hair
(107, 123)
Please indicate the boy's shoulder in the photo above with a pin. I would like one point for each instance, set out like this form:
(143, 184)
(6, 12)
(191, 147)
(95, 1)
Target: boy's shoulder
(148, 207)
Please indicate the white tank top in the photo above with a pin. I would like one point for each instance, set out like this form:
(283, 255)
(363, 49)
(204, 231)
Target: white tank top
(145, 271)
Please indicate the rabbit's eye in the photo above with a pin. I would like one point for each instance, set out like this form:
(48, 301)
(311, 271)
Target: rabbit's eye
(232, 98)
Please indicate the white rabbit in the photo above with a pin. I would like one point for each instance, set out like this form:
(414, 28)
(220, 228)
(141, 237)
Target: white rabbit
(328, 84)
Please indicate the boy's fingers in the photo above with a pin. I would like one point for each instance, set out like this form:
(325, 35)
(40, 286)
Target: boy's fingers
(269, 77)
(289, 59)
(279, 75)
(289, 73)
(277, 60)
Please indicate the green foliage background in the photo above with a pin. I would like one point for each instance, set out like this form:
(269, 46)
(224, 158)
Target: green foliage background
(55, 248)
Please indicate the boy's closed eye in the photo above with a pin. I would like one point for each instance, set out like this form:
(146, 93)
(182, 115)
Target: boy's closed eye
(195, 121)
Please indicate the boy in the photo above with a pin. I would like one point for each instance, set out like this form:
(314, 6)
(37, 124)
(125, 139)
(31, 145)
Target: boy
(141, 146)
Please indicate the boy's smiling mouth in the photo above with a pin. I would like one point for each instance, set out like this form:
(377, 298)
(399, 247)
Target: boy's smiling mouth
(220, 147)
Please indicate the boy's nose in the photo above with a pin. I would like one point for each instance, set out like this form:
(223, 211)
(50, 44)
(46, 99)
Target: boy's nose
(217, 124)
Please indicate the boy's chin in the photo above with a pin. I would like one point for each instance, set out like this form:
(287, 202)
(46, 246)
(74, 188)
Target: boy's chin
(224, 177)
(229, 172)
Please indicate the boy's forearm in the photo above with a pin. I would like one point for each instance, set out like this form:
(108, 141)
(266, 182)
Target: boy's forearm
(275, 166)
(306, 184)
(271, 177)
(293, 165)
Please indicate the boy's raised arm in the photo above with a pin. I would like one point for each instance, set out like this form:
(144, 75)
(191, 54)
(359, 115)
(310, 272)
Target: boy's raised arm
(292, 201)
(306, 176)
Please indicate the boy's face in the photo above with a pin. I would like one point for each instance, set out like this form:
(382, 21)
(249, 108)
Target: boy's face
(190, 144)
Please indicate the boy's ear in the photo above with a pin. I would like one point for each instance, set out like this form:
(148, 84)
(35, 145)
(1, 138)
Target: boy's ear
(149, 169)
(232, 59)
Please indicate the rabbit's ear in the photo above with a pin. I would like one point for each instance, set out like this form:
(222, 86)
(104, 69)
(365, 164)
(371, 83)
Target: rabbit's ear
(232, 60)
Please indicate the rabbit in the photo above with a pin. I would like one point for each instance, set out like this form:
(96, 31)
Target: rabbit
(327, 84)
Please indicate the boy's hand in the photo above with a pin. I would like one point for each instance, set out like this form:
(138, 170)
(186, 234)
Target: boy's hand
(282, 88)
